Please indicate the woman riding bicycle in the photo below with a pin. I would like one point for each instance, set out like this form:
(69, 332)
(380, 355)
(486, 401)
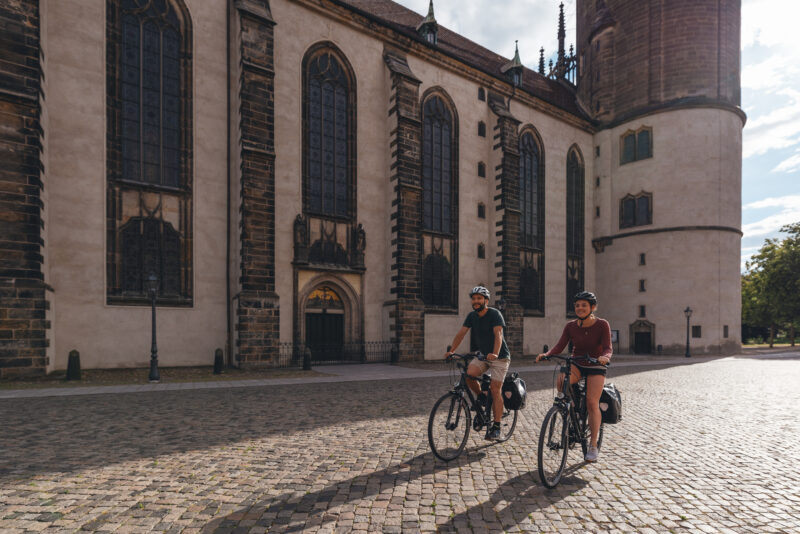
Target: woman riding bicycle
(590, 336)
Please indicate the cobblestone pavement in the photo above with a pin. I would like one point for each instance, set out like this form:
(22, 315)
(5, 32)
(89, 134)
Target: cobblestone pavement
(708, 447)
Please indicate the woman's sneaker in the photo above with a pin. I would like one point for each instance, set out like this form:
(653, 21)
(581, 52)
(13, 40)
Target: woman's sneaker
(591, 454)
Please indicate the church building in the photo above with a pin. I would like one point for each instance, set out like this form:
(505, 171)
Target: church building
(287, 177)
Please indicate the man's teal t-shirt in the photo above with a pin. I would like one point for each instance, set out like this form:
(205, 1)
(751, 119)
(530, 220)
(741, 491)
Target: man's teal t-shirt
(481, 332)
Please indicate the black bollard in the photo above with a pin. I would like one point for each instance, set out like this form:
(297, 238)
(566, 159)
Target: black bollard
(219, 362)
(74, 365)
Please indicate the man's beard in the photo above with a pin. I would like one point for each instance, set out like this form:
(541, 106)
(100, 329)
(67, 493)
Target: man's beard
(480, 307)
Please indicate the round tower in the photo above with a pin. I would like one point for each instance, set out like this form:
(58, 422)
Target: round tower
(662, 80)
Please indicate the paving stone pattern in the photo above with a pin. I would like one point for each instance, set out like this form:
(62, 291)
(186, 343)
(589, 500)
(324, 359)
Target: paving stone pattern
(709, 447)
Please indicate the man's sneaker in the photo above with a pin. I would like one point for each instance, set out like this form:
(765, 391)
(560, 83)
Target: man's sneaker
(591, 454)
(493, 432)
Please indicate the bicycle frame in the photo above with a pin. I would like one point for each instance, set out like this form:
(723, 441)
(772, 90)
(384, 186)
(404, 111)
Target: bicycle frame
(461, 388)
(566, 397)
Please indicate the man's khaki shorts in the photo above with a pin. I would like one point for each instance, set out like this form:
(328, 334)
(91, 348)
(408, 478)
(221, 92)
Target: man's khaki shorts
(498, 368)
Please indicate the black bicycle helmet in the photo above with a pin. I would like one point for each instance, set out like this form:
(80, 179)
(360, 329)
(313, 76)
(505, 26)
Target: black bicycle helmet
(480, 290)
(588, 296)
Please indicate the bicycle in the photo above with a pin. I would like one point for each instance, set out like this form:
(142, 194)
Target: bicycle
(564, 425)
(451, 417)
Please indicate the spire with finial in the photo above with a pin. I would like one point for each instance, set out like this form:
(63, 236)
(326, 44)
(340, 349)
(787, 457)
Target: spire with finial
(562, 33)
(541, 61)
(514, 67)
(429, 28)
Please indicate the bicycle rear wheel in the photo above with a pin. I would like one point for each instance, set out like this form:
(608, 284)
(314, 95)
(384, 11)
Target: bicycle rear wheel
(552, 453)
(448, 426)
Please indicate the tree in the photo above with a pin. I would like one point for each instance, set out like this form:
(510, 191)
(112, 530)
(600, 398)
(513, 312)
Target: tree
(771, 285)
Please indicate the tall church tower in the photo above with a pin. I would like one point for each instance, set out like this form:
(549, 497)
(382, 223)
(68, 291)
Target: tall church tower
(662, 80)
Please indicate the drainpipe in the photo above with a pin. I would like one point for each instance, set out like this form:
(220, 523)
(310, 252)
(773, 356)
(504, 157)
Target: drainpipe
(229, 333)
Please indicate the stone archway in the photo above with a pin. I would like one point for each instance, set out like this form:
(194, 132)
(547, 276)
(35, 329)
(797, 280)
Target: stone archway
(642, 338)
(328, 316)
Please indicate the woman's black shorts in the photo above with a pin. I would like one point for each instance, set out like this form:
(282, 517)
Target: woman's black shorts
(588, 371)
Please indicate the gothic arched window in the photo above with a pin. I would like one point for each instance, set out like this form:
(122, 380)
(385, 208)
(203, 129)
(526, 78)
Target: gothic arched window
(531, 197)
(439, 201)
(575, 226)
(329, 144)
(149, 72)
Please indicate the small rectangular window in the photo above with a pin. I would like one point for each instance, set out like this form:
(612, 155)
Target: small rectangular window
(597, 182)
(642, 311)
(481, 251)
(642, 259)
(597, 151)
(643, 145)
(641, 286)
(481, 94)
(481, 211)
(643, 210)
(481, 170)
(725, 331)
(597, 211)
(696, 331)
(628, 213)
(628, 148)
(482, 129)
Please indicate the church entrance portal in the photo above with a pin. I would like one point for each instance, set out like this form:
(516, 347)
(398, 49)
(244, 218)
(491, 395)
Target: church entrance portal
(642, 338)
(325, 326)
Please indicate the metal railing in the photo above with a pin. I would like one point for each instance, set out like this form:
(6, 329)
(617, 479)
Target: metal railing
(304, 355)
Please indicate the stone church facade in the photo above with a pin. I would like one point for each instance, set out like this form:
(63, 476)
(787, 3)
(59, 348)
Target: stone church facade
(328, 173)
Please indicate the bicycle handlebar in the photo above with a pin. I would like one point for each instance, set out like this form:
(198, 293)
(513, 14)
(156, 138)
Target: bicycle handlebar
(591, 360)
(477, 354)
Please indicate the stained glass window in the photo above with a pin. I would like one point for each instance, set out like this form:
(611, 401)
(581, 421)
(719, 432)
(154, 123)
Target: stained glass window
(437, 167)
(149, 145)
(530, 192)
(575, 227)
(437, 281)
(328, 144)
(150, 92)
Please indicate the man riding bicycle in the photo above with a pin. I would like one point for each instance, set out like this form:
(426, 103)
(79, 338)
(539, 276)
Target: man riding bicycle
(485, 325)
(590, 336)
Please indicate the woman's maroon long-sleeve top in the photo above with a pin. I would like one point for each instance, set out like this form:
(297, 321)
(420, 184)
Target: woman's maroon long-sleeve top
(594, 340)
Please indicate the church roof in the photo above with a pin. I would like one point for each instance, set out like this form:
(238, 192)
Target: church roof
(405, 21)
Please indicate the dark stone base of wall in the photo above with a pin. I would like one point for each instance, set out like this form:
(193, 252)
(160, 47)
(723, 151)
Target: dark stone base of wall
(23, 328)
(258, 328)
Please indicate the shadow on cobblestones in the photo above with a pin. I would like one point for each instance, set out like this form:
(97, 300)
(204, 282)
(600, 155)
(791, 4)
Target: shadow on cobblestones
(515, 501)
(278, 512)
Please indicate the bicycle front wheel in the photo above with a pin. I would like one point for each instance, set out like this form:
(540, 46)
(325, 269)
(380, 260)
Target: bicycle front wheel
(448, 426)
(552, 457)
(507, 425)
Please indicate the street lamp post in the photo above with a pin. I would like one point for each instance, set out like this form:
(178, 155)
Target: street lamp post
(152, 288)
(688, 313)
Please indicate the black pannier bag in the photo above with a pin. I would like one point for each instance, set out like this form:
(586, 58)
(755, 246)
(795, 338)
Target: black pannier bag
(611, 404)
(514, 392)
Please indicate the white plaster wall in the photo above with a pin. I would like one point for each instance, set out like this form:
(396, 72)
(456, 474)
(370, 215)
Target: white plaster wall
(118, 336)
(695, 178)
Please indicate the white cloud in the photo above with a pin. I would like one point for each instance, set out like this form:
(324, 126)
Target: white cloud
(789, 212)
(779, 128)
(769, 32)
(790, 164)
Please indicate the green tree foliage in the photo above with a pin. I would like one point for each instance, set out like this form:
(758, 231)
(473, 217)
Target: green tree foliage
(771, 285)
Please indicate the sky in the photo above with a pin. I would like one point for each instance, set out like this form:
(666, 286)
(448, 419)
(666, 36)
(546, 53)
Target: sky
(770, 90)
